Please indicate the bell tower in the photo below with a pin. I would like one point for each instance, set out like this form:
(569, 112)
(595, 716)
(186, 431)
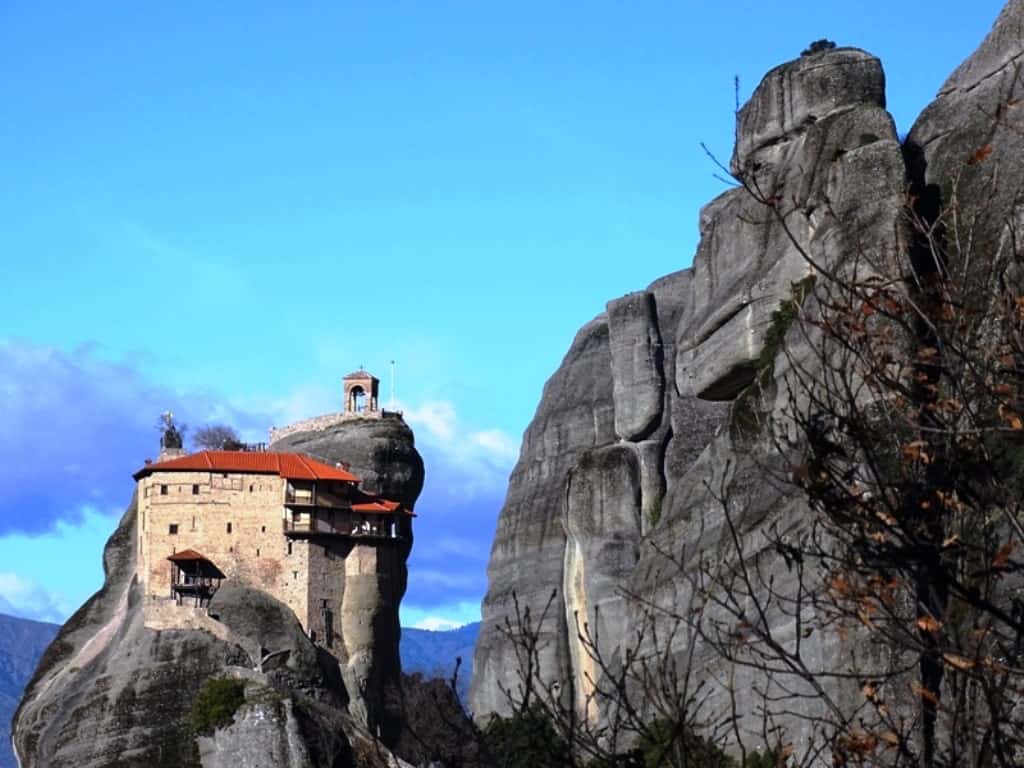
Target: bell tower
(361, 389)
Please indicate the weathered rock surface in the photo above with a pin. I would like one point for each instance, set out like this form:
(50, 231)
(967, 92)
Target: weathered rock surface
(542, 549)
(967, 147)
(825, 180)
(111, 691)
(602, 525)
(265, 626)
(576, 413)
(262, 735)
(637, 381)
(815, 136)
(382, 453)
(805, 126)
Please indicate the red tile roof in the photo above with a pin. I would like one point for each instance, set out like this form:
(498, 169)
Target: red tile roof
(360, 374)
(293, 466)
(365, 502)
(185, 555)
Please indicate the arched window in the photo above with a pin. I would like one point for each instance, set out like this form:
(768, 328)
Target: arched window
(357, 396)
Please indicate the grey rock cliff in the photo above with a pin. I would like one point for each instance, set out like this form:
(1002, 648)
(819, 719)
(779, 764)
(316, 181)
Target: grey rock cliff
(967, 147)
(641, 480)
(382, 453)
(110, 691)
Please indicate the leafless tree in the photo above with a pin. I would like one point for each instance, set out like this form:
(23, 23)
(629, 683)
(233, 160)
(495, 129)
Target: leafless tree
(217, 437)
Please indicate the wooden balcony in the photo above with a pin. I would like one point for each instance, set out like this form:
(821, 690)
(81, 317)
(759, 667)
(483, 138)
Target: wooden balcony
(345, 527)
(314, 497)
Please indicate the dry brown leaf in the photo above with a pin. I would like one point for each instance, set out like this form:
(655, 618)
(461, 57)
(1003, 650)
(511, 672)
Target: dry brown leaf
(980, 155)
(928, 624)
(915, 451)
(924, 693)
(1003, 555)
(960, 662)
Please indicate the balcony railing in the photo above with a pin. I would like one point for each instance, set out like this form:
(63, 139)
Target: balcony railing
(304, 497)
(355, 529)
(300, 498)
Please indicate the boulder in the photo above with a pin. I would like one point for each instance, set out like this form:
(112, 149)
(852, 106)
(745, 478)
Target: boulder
(637, 380)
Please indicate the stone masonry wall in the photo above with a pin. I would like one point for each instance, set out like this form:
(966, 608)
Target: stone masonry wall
(203, 505)
(306, 575)
(327, 420)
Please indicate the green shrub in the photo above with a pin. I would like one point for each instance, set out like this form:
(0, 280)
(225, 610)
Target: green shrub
(654, 514)
(745, 417)
(763, 759)
(528, 739)
(216, 704)
(668, 743)
(818, 46)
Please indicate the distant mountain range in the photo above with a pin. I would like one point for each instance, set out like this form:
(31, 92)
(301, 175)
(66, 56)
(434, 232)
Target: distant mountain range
(433, 653)
(22, 642)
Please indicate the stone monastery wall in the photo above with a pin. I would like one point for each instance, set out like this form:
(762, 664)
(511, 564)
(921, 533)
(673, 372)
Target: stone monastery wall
(326, 421)
(236, 521)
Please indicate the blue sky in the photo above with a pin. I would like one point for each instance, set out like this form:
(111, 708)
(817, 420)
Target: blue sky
(222, 209)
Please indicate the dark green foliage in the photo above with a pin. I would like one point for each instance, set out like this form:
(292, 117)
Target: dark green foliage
(668, 743)
(764, 759)
(435, 728)
(781, 321)
(216, 704)
(818, 46)
(528, 739)
(172, 434)
(654, 516)
(745, 418)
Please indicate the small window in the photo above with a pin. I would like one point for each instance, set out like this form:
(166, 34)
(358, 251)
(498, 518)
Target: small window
(295, 575)
(172, 529)
(263, 529)
(163, 490)
(223, 474)
(257, 551)
(289, 547)
(250, 488)
(195, 489)
(229, 527)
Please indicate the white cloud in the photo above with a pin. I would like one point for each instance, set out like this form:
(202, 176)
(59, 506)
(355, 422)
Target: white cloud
(499, 444)
(448, 616)
(22, 597)
(483, 456)
(303, 403)
(435, 623)
(437, 417)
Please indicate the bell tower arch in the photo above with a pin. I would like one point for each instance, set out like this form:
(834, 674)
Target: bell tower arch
(361, 390)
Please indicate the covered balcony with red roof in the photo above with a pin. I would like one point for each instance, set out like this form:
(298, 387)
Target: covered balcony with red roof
(366, 516)
(193, 576)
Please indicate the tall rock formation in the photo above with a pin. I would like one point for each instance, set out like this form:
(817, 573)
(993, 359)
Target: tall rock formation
(381, 452)
(111, 691)
(646, 421)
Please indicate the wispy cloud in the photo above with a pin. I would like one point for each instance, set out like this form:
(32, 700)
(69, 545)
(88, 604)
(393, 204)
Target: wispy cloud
(467, 471)
(441, 616)
(75, 428)
(22, 597)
